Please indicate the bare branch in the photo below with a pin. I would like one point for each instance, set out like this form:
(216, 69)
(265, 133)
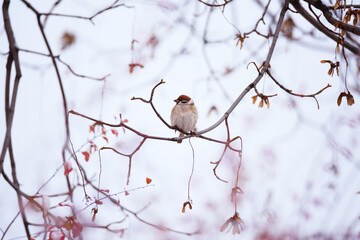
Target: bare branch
(112, 6)
(136, 214)
(259, 77)
(329, 17)
(297, 94)
(130, 156)
(153, 107)
(66, 65)
(12, 57)
(321, 28)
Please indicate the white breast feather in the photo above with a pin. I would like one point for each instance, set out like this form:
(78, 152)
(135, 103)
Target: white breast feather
(184, 117)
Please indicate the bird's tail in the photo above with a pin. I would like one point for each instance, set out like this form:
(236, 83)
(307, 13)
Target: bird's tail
(179, 141)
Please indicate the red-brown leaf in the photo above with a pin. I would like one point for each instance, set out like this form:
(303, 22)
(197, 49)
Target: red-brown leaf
(67, 168)
(92, 128)
(115, 132)
(148, 180)
(86, 155)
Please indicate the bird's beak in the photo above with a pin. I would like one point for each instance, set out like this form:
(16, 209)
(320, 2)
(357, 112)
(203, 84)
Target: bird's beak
(176, 100)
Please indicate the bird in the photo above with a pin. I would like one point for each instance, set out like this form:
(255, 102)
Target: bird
(184, 115)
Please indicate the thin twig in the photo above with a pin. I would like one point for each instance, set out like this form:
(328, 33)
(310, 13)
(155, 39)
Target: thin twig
(66, 65)
(297, 94)
(192, 169)
(259, 77)
(216, 5)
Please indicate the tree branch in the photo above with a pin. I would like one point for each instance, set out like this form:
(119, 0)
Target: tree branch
(329, 17)
(13, 57)
(10, 108)
(65, 64)
(297, 94)
(259, 77)
(321, 28)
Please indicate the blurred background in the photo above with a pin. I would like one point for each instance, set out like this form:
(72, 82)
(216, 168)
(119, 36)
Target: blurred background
(300, 164)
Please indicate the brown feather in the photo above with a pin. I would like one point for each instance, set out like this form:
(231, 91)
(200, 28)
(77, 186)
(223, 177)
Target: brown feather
(183, 97)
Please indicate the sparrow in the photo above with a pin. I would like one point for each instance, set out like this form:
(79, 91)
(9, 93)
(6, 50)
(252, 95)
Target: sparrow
(184, 115)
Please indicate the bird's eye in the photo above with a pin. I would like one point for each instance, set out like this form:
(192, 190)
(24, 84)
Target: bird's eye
(183, 101)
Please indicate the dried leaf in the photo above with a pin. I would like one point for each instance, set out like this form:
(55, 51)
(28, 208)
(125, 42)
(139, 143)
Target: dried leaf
(350, 99)
(342, 32)
(261, 104)
(184, 206)
(93, 146)
(287, 27)
(254, 99)
(67, 39)
(347, 16)
(115, 132)
(148, 180)
(103, 131)
(339, 100)
(67, 168)
(86, 155)
(225, 225)
(331, 71)
(235, 222)
(266, 100)
(94, 211)
(240, 39)
(92, 128)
